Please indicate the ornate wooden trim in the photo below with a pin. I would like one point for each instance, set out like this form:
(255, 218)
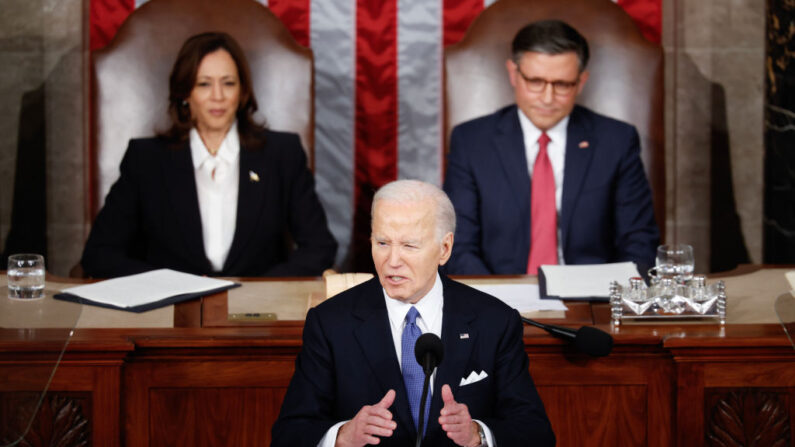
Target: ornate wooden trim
(60, 421)
(747, 417)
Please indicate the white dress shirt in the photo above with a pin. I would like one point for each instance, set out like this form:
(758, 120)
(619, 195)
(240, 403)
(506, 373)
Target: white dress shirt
(217, 187)
(429, 320)
(556, 151)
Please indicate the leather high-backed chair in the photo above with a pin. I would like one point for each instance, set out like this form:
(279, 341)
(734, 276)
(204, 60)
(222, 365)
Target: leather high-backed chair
(130, 91)
(626, 80)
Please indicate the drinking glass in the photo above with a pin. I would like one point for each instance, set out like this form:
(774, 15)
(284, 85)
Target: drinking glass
(675, 261)
(25, 276)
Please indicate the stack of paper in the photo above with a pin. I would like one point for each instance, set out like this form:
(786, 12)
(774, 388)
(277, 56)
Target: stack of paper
(145, 291)
(583, 281)
(522, 297)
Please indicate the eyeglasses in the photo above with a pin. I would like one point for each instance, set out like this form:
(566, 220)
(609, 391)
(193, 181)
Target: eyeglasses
(538, 85)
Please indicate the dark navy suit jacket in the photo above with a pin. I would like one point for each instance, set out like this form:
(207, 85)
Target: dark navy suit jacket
(151, 215)
(606, 210)
(348, 360)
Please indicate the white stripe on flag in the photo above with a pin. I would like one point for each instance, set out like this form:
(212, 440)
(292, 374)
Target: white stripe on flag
(419, 55)
(138, 3)
(487, 3)
(332, 39)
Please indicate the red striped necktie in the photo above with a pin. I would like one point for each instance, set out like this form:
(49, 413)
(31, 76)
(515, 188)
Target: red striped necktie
(543, 213)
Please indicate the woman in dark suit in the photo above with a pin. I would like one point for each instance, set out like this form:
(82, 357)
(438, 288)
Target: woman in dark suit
(216, 194)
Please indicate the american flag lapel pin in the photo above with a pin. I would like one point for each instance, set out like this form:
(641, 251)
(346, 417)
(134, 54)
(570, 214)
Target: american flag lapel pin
(253, 176)
(463, 336)
(583, 144)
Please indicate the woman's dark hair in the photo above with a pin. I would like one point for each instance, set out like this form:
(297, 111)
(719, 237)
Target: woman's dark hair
(183, 79)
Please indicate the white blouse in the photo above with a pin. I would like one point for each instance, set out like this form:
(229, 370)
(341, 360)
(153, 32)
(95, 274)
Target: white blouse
(217, 187)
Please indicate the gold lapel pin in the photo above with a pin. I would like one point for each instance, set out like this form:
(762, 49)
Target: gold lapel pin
(583, 144)
(253, 176)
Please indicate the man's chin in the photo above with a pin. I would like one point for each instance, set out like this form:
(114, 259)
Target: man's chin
(545, 119)
(546, 123)
(396, 294)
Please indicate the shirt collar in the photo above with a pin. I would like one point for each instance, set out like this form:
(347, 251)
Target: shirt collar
(429, 307)
(556, 133)
(228, 152)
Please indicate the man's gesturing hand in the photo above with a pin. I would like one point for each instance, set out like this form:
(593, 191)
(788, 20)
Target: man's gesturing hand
(456, 421)
(369, 422)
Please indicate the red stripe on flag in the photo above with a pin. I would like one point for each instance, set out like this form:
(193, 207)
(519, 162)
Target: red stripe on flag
(376, 115)
(105, 18)
(647, 14)
(295, 16)
(458, 15)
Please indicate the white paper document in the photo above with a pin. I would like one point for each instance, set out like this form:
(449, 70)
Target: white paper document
(522, 297)
(582, 281)
(145, 288)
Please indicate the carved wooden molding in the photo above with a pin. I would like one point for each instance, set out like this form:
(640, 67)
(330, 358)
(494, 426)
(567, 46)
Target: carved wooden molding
(747, 417)
(59, 422)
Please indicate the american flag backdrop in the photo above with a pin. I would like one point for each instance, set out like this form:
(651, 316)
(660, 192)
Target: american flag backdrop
(378, 92)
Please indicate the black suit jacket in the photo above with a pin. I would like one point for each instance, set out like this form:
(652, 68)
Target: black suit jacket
(151, 215)
(348, 360)
(606, 210)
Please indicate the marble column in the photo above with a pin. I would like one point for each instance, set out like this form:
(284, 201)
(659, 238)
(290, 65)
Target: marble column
(42, 126)
(714, 54)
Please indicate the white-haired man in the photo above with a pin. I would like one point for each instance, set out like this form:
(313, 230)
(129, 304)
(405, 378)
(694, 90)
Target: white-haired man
(356, 378)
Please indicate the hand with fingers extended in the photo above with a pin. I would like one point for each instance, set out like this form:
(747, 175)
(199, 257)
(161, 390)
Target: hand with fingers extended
(456, 421)
(370, 423)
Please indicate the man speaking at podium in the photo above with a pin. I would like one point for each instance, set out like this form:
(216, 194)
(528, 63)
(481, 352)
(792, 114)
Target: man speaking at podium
(357, 381)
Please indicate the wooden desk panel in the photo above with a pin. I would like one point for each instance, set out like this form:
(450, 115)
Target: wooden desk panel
(664, 384)
(83, 404)
(204, 400)
(656, 388)
(625, 399)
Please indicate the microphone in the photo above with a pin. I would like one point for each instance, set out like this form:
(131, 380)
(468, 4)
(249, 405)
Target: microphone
(429, 353)
(588, 339)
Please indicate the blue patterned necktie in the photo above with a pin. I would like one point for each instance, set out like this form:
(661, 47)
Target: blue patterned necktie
(413, 376)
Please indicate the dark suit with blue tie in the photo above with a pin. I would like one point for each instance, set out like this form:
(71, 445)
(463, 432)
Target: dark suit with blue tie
(606, 212)
(348, 360)
(151, 216)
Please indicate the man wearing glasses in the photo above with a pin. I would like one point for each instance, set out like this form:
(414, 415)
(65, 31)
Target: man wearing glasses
(545, 181)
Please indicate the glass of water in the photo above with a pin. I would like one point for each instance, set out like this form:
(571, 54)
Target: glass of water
(675, 261)
(25, 276)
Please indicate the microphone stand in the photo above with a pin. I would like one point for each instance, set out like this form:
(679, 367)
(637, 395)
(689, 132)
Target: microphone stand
(429, 352)
(421, 421)
(552, 329)
(587, 339)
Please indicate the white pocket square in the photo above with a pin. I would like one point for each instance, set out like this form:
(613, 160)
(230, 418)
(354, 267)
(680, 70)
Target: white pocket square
(473, 377)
